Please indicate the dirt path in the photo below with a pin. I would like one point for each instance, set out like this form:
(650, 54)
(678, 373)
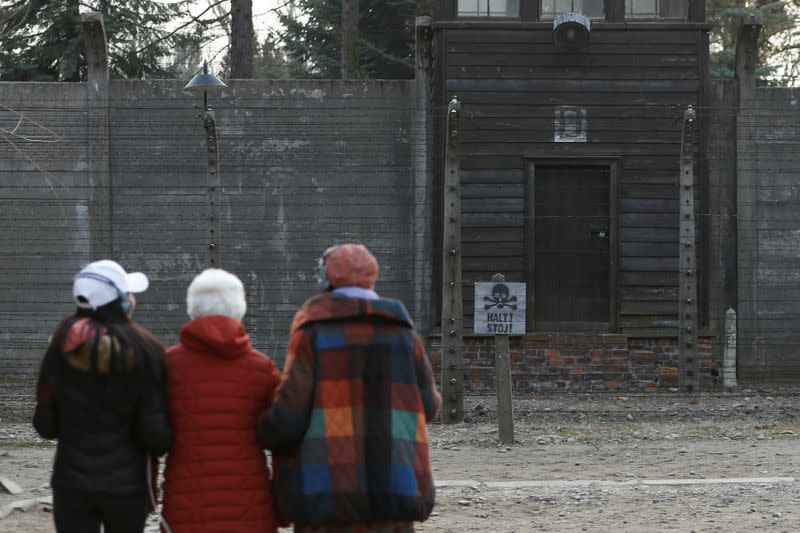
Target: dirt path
(588, 462)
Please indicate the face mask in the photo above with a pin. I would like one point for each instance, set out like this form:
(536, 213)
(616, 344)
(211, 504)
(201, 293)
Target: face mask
(127, 304)
(322, 277)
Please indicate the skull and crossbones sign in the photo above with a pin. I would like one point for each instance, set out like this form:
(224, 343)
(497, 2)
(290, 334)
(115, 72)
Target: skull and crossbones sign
(500, 298)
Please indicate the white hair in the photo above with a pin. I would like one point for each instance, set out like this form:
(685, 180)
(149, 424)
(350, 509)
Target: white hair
(216, 292)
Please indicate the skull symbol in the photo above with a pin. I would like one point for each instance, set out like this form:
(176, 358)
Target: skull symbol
(500, 298)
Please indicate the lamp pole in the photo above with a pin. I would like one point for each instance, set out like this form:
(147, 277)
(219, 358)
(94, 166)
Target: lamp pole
(213, 211)
(206, 82)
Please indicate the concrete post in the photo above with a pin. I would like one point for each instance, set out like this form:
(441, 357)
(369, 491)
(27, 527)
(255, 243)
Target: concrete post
(251, 292)
(452, 304)
(729, 357)
(747, 56)
(689, 378)
(98, 151)
(747, 181)
(214, 186)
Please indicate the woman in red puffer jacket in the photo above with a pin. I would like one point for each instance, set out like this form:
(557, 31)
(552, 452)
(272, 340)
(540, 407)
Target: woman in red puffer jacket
(216, 477)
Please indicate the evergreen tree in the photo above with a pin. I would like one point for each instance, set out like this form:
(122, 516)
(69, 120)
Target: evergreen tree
(41, 40)
(187, 61)
(779, 41)
(312, 40)
(269, 62)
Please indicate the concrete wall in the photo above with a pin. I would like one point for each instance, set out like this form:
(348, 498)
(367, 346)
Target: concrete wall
(768, 198)
(304, 164)
(45, 201)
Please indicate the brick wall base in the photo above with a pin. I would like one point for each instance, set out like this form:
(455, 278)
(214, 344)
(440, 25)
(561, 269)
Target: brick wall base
(559, 361)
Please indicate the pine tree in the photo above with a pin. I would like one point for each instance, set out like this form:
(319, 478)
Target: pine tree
(779, 41)
(42, 40)
(312, 40)
(269, 63)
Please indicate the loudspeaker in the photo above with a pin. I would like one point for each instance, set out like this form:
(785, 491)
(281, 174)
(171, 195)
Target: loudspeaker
(571, 31)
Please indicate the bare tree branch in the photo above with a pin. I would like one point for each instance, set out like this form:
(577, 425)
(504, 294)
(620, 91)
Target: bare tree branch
(193, 19)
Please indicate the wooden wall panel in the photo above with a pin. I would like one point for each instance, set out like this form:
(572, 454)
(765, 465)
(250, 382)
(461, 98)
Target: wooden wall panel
(634, 84)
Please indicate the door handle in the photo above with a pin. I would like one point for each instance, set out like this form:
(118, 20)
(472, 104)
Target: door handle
(600, 233)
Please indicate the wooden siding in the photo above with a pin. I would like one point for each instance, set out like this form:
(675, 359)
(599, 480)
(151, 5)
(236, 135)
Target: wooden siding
(635, 85)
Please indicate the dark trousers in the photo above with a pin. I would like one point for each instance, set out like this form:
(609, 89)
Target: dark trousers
(83, 512)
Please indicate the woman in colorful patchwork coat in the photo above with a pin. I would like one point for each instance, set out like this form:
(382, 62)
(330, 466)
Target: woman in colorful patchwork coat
(348, 427)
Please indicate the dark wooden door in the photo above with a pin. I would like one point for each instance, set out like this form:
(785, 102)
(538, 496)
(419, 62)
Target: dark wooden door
(572, 245)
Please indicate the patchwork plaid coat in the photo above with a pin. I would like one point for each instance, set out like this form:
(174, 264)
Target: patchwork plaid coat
(348, 424)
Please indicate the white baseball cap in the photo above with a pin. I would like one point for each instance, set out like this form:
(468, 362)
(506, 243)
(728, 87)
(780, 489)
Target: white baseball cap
(103, 282)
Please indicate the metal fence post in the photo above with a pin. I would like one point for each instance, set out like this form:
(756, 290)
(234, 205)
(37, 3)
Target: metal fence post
(452, 312)
(689, 377)
(729, 358)
(213, 181)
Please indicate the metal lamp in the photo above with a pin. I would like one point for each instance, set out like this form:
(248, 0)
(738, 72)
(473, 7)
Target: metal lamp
(208, 83)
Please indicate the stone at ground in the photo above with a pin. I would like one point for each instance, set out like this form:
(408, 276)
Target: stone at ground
(9, 486)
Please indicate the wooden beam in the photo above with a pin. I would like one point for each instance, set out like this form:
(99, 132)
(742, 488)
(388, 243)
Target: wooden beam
(502, 366)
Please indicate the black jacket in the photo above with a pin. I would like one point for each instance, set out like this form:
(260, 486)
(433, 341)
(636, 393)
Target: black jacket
(106, 423)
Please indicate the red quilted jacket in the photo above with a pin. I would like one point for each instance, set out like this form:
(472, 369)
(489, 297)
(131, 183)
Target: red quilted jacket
(216, 479)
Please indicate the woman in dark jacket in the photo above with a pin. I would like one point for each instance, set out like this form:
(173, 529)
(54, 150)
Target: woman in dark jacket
(102, 394)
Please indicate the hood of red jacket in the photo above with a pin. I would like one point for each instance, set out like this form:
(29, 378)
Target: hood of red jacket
(218, 335)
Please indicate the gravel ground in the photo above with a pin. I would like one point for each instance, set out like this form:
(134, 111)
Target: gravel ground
(600, 462)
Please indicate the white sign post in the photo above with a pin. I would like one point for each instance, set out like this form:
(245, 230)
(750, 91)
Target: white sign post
(500, 309)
